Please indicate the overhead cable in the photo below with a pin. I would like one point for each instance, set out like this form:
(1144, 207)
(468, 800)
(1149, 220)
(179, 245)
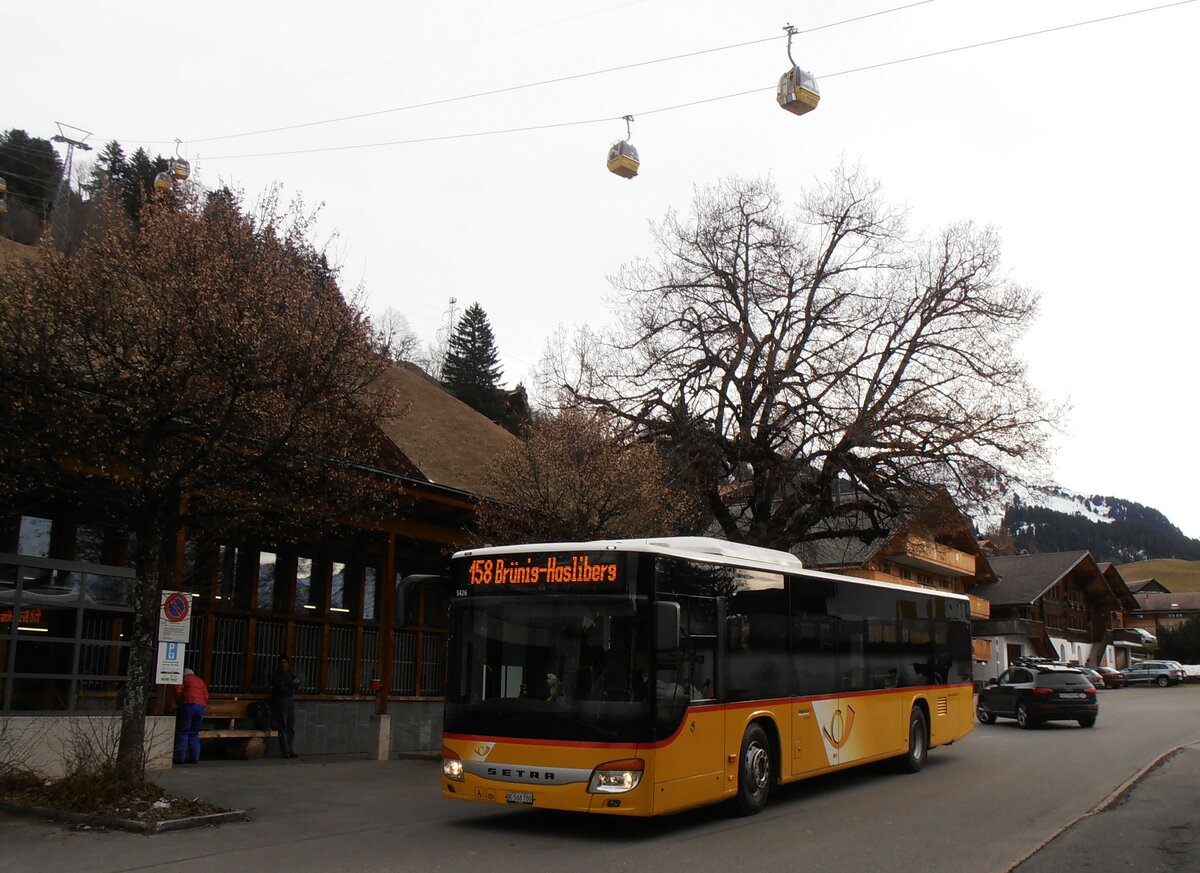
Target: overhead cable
(700, 102)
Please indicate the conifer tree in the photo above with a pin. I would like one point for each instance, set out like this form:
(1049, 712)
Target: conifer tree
(32, 169)
(472, 370)
(111, 167)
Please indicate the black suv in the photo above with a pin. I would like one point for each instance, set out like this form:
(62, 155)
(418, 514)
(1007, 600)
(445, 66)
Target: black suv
(1031, 693)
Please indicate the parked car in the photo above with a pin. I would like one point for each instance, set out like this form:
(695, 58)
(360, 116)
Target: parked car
(1112, 678)
(1160, 673)
(1094, 676)
(1033, 693)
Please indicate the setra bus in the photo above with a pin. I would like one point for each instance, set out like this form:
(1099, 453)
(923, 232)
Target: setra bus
(644, 677)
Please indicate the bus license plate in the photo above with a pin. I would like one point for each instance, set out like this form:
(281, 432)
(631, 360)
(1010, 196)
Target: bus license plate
(1073, 696)
(518, 797)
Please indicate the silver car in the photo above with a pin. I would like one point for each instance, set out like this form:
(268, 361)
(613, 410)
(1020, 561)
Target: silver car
(1160, 673)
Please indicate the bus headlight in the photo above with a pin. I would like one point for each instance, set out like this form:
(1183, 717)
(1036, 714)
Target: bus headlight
(452, 766)
(617, 777)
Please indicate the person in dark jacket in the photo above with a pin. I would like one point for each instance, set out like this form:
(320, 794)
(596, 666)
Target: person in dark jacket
(191, 698)
(284, 685)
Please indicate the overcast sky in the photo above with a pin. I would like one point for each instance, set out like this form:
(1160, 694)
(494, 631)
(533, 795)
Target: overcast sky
(1078, 145)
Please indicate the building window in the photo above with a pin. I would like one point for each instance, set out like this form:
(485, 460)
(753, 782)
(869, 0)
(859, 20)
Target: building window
(33, 539)
(233, 580)
(64, 630)
(89, 543)
(339, 584)
(266, 580)
(369, 594)
(304, 585)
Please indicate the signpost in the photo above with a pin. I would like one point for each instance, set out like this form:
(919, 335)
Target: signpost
(174, 626)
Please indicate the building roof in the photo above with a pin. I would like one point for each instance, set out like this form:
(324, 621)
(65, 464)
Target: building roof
(1118, 585)
(939, 519)
(839, 552)
(13, 252)
(1139, 585)
(1178, 601)
(448, 442)
(1025, 578)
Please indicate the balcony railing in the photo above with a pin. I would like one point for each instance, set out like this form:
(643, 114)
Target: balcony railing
(981, 610)
(1008, 626)
(927, 555)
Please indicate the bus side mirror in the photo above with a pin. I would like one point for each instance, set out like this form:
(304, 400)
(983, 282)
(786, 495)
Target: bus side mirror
(405, 589)
(666, 626)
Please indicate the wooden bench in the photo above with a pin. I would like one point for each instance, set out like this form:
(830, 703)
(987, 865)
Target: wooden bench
(231, 723)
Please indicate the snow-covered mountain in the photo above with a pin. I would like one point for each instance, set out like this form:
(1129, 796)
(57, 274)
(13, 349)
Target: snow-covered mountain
(1053, 519)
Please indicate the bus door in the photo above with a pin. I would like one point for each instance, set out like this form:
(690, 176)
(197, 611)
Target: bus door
(688, 764)
(871, 624)
(817, 715)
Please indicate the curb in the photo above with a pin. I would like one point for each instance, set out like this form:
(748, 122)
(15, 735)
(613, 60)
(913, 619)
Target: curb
(1112, 800)
(126, 824)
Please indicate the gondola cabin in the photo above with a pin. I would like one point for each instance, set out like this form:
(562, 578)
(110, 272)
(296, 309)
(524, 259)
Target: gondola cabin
(798, 91)
(163, 182)
(180, 168)
(623, 159)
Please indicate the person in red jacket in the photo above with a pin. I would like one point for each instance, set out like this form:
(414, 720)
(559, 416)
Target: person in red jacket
(190, 700)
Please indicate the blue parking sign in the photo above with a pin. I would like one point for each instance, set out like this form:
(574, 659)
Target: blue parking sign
(170, 663)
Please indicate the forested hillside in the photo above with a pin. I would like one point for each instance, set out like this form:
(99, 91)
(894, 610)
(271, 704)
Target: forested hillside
(1134, 533)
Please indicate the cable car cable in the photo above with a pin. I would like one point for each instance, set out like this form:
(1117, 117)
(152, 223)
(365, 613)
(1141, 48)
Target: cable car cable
(415, 141)
(511, 88)
(691, 103)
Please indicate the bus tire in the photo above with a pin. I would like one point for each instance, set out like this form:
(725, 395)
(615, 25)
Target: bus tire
(918, 741)
(755, 771)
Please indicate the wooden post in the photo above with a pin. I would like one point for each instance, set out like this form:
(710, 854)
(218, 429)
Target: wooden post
(387, 624)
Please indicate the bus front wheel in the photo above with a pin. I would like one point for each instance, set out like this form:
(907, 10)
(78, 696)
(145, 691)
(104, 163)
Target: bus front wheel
(918, 742)
(754, 771)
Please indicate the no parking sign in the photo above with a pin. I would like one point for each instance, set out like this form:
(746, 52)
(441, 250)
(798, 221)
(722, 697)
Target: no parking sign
(175, 617)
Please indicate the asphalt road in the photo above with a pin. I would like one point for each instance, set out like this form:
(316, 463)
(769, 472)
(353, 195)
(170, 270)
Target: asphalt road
(986, 804)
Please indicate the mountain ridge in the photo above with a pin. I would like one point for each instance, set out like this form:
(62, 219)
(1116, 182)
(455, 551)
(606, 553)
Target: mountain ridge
(1053, 519)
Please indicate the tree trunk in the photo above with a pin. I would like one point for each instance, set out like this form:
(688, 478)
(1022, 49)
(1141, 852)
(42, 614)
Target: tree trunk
(143, 645)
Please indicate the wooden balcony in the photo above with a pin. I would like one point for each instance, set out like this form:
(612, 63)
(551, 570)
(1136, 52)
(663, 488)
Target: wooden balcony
(933, 557)
(981, 610)
(1008, 627)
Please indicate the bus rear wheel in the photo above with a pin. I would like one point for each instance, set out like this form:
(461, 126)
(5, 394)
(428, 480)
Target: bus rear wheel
(918, 742)
(755, 771)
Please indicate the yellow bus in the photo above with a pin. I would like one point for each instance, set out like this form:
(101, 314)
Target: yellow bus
(644, 677)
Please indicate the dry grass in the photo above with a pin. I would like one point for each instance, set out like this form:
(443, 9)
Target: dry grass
(1175, 575)
(94, 785)
(102, 793)
(12, 252)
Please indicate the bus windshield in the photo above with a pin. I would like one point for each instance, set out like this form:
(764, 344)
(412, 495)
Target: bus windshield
(564, 667)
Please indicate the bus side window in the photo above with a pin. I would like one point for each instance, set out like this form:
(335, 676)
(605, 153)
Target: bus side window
(814, 636)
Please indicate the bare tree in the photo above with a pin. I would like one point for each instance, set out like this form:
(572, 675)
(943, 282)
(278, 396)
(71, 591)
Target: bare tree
(200, 366)
(816, 375)
(397, 337)
(574, 478)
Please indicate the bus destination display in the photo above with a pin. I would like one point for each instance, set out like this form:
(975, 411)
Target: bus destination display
(545, 570)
